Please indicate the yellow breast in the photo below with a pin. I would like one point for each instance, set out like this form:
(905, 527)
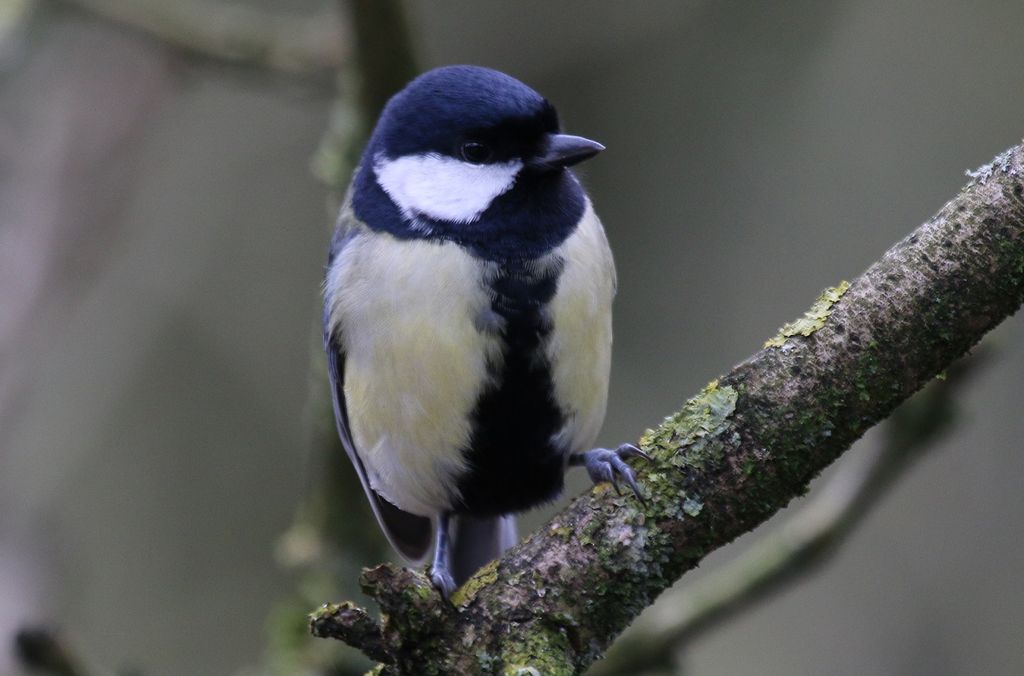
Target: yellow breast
(415, 363)
(418, 357)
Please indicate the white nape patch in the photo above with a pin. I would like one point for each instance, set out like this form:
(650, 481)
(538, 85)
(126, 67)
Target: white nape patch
(443, 188)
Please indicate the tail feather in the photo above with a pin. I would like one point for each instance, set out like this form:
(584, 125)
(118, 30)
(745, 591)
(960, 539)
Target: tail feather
(478, 540)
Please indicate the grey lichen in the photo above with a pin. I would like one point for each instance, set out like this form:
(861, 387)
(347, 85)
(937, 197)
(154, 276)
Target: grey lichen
(517, 670)
(692, 506)
(1003, 163)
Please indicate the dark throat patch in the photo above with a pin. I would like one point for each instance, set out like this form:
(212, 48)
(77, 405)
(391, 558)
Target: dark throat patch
(513, 464)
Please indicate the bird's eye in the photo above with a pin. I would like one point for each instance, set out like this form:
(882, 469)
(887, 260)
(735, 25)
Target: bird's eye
(475, 152)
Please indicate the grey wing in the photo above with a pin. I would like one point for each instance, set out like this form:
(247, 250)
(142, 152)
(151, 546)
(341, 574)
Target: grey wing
(409, 534)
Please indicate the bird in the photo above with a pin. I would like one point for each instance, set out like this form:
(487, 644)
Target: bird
(467, 318)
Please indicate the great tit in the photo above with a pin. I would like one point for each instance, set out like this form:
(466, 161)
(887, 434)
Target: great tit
(467, 317)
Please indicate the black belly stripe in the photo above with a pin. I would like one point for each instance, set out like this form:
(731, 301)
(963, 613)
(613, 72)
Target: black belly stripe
(512, 463)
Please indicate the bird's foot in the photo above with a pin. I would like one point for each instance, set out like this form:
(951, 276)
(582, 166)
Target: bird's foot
(442, 578)
(607, 465)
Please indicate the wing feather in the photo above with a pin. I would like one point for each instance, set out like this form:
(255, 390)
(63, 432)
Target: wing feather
(409, 534)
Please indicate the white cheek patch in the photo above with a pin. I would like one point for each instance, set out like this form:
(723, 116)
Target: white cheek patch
(444, 188)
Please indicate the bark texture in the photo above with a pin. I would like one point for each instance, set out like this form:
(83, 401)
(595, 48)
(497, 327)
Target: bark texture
(732, 457)
(802, 544)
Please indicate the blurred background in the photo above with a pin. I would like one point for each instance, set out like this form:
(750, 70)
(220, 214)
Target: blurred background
(164, 214)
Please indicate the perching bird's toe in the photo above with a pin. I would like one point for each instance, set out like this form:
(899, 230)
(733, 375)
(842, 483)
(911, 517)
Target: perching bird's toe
(442, 578)
(607, 465)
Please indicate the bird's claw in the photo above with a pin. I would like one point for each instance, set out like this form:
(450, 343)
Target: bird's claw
(444, 582)
(607, 465)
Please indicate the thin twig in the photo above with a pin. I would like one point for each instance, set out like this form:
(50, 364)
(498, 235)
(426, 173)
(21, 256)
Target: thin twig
(353, 625)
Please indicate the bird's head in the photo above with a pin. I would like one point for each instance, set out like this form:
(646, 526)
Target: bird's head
(469, 154)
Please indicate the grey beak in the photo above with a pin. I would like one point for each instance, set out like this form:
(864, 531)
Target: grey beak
(564, 150)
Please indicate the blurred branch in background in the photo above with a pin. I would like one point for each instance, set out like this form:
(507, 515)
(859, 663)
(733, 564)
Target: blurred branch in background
(384, 62)
(802, 544)
(329, 541)
(42, 651)
(376, 22)
(14, 17)
(60, 144)
(69, 131)
(329, 515)
(327, 544)
(236, 32)
(377, 72)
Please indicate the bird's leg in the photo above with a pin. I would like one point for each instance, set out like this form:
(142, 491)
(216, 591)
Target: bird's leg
(440, 570)
(606, 465)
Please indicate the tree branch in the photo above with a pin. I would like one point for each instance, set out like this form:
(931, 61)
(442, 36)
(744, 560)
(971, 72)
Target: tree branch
(353, 625)
(235, 33)
(803, 543)
(733, 456)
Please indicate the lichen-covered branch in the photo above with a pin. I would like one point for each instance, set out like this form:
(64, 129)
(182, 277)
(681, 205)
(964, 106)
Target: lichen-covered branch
(736, 454)
(236, 32)
(804, 542)
(353, 625)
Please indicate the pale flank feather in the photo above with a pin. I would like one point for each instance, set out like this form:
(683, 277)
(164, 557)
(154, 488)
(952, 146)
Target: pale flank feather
(580, 345)
(415, 362)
